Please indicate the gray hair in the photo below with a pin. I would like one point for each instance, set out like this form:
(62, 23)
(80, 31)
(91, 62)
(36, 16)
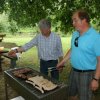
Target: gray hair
(44, 23)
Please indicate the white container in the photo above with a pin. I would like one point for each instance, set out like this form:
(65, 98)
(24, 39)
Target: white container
(18, 98)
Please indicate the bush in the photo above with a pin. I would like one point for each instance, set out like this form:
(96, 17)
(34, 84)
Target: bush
(6, 26)
(13, 28)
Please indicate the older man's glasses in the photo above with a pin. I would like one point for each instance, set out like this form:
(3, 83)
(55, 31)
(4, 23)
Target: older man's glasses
(76, 41)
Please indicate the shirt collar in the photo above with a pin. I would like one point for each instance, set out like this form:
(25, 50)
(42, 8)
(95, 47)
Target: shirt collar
(49, 35)
(87, 32)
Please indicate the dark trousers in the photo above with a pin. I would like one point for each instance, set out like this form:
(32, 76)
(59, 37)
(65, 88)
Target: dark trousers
(44, 65)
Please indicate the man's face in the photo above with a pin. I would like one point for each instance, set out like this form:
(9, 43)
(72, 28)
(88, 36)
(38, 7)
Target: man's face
(45, 31)
(77, 22)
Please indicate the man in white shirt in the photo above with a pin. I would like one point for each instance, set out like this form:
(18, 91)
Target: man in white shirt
(49, 48)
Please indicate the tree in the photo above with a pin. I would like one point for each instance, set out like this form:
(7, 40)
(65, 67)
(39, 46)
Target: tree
(4, 23)
(13, 27)
(29, 12)
(6, 26)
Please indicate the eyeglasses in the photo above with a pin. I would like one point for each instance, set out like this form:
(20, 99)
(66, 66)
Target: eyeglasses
(76, 41)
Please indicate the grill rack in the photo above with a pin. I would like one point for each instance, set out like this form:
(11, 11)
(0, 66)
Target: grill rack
(28, 91)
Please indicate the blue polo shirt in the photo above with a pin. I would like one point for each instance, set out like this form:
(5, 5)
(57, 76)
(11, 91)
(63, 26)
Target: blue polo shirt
(84, 57)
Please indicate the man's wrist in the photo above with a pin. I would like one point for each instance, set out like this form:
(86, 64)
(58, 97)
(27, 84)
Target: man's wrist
(16, 50)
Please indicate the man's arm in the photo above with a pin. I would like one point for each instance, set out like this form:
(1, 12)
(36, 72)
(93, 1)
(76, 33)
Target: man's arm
(95, 81)
(60, 58)
(97, 73)
(27, 46)
(66, 58)
(24, 48)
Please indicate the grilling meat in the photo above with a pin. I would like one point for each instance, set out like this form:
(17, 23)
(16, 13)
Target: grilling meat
(23, 70)
(21, 73)
(41, 83)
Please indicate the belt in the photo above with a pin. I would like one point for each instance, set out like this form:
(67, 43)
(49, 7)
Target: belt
(47, 60)
(77, 70)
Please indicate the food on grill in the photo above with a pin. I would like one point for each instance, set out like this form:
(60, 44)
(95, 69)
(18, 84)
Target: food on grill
(23, 70)
(30, 92)
(41, 83)
(1, 48)
(21, 73)
(39, 88)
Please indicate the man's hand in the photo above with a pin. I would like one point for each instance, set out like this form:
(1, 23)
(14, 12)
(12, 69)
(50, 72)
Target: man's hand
(60, 66)
(60, 69)
(66, 58)
(12, 53)
(94, 85)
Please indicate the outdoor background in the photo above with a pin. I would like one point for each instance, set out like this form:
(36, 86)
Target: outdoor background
(19, 21)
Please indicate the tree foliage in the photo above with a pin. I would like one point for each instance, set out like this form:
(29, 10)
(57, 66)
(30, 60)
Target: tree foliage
(6, 26)
(29, 12)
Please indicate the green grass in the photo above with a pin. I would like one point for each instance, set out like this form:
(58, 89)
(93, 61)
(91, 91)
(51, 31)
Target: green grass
(30, 58)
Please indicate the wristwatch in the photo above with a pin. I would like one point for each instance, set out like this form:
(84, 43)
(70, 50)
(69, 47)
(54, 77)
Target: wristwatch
(95, 79)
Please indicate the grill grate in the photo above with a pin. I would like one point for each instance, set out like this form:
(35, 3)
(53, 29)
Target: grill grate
(28, 88)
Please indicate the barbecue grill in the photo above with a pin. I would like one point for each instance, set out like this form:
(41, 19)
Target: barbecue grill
(31, 93)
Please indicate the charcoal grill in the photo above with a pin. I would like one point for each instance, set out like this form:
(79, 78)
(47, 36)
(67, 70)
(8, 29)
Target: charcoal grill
(29, 92)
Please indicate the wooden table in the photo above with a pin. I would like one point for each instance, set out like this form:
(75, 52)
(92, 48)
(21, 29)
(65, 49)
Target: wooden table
(1, 52)
(13, 60)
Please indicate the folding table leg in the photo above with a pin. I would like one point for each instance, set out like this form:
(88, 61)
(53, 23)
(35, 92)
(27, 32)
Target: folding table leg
(13, 63)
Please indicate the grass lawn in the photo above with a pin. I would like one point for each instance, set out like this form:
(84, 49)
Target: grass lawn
(30, 59)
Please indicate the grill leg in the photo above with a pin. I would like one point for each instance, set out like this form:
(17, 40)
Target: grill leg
(6, 91)
(0, 64)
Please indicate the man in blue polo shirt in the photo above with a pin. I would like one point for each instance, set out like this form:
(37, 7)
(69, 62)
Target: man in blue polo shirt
(85, 58)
